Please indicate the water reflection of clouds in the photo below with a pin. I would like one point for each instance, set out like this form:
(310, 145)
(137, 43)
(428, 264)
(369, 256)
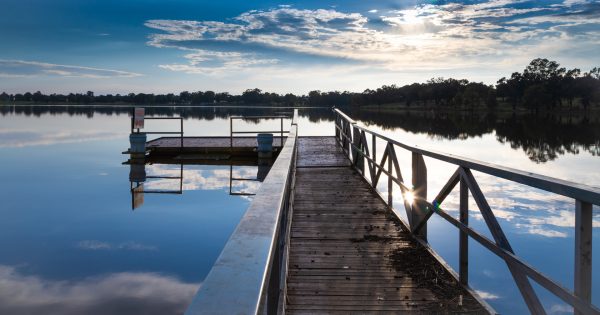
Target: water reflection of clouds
(123, 292)
(202, 179)
(531, 211)
(129, 245)
(16, 138)
(527, 210)
(487, 295)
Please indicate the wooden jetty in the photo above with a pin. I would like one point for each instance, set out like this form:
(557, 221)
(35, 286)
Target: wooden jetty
(320, 238)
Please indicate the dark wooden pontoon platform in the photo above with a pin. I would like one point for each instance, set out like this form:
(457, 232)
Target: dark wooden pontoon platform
(350, 254)
(207, 145)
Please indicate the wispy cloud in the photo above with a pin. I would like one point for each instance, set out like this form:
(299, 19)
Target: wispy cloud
(23, 68)
(124, 292)
(429, 36)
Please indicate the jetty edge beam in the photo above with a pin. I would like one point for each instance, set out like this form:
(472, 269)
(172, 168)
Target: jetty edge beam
(247, 278)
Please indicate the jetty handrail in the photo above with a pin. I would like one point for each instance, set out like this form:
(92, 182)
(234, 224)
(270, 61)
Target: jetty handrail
(353, 139)
(280, 131)
(180, 132)
(249, 275)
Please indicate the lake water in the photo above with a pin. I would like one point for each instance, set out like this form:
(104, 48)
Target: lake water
(71, 243)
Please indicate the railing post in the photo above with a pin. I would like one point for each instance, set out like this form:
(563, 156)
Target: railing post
(348, 138)
(374, 157)
(181, 130)
(231, 132)
(419, 183)
(357, 156)
(390, 186)
(337, 126)
(583, 251)
(463, 236)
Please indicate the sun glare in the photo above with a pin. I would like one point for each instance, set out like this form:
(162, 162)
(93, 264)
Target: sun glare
(409, 197)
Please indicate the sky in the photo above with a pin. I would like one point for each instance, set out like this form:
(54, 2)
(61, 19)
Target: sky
(118, 46)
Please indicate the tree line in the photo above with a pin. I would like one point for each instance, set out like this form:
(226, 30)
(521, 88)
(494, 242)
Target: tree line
(542, 84)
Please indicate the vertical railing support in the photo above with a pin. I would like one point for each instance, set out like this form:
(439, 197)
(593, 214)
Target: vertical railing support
(583, 251)
(419, 183)
(337, 126)
(390, 184)
(231, 133)
(357, 154)
(374, 157)
(463, 267)
(181, 130)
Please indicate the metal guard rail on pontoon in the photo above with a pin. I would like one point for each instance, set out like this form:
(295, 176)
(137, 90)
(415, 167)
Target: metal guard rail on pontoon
(353, 139)
(249, 275)
(180, 132)
(232, 118)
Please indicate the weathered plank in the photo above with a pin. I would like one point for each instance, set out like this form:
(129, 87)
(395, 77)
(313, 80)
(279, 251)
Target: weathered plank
(349, 254)
(320, 152)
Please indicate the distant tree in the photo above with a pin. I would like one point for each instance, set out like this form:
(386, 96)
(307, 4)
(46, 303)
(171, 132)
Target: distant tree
(568, 88)
(185, 97)
(252, 96)
(314, 98)
(4, 97)
(222, 97)
(536, 96)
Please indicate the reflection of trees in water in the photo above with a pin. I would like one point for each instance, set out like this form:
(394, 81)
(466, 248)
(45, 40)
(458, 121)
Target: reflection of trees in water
(206, 113)
(542, 137)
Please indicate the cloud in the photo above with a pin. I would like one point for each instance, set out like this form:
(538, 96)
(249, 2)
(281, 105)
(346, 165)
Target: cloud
(124, 292)
(129, 245)
(22, 68)
(424, 37)
(268, 37)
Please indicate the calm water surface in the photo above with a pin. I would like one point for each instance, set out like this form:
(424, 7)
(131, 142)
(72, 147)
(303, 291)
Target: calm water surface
(71, 243)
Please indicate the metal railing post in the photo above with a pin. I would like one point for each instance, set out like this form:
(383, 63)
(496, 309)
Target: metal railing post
(463, 266)
(583, 251)
(336, 126)
(357, 156)
(230, 132)
(419, 183)
(181, 129)
(390, 182)
(374, 158)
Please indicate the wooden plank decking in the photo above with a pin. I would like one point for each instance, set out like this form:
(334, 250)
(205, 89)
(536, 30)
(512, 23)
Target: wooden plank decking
(207, 145)
(349, 254)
